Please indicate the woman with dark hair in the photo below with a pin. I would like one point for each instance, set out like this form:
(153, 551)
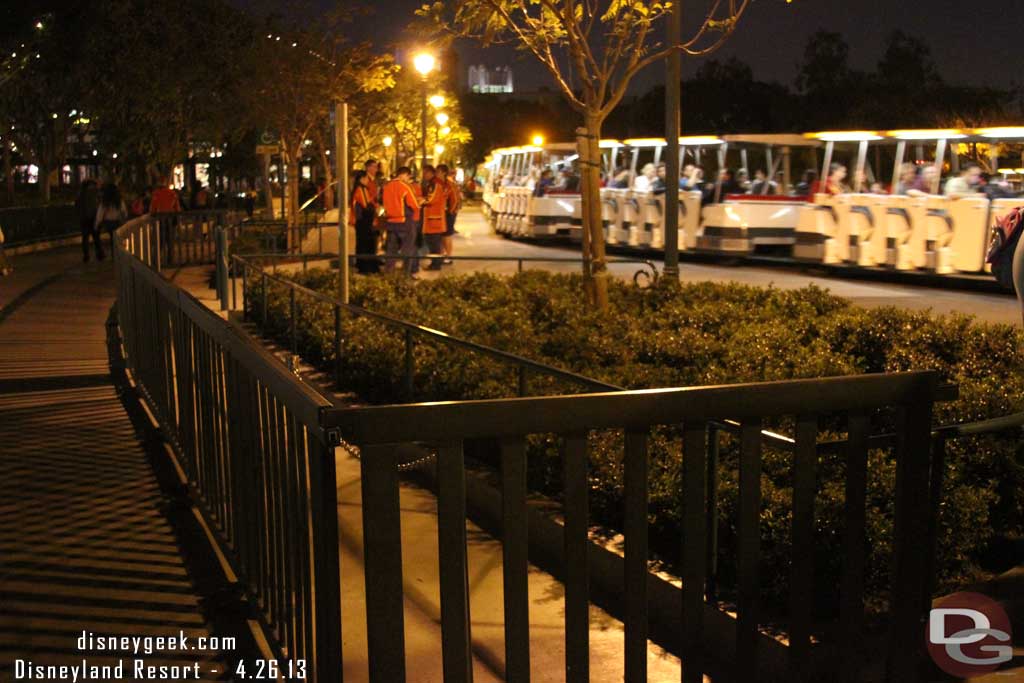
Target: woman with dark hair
(362, 213)
(111, 212)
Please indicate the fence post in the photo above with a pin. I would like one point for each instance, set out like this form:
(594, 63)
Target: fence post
(245, 293)
(222, 267)
(521, 373)
(712, 518)
(337, 345)
(409, 365)
(263, 320)
(291, 319)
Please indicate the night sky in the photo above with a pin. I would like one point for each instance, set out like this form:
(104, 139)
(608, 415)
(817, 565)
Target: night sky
(976, 42)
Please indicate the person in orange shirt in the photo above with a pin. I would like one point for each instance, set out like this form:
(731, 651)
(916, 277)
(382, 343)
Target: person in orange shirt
(361, 216)
(164, 199)
(435, 206)
(401, 212)
(453, 202)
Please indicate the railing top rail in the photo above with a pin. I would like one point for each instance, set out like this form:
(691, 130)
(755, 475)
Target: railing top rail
(444, 337)
(629, 409)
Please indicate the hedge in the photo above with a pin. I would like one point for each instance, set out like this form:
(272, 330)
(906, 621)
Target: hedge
(698, 334)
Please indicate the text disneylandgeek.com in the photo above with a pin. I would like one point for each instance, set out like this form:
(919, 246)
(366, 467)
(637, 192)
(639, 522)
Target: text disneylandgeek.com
(136, 665)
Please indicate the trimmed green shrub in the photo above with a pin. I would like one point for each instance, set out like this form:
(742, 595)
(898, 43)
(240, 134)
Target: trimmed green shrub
(698, 334)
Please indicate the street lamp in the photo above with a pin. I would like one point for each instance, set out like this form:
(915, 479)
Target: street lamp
(538, 140)
(441, 118)
(387, 146)
(424, 62)
(437, 101)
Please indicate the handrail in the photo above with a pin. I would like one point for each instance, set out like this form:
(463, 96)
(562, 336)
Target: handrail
(439, 336)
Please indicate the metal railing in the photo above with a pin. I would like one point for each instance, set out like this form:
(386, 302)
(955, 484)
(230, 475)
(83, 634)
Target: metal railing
(410, 332)
(32, 224)
(381, 432)
(248, 437)
(258, 442)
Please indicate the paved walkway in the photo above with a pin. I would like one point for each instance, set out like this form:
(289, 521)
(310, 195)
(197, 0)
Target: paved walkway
(84, 541)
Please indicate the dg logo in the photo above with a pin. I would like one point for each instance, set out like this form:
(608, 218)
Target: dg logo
(969, 635)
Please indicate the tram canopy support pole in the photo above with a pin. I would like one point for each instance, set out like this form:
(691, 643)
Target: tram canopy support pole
(673, 78)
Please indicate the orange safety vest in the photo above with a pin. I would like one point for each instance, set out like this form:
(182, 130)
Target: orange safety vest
(433, 210)
(398, 195)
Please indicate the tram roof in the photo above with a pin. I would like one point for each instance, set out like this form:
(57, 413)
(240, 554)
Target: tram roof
(772, 139)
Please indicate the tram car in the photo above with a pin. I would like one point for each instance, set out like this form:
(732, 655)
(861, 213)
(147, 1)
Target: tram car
(860, 198)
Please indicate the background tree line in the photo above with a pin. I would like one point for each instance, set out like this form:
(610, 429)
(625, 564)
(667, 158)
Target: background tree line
(904, 90)
(147, 84)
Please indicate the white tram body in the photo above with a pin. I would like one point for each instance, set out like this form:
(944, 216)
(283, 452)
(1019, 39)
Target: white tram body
(920, 231)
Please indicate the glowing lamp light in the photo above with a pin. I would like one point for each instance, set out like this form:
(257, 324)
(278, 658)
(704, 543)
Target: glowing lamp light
(438, 150)
(446, 130)
(537, 140)
(441, 118)
(437, 101)
(424, 62)
(387, 140)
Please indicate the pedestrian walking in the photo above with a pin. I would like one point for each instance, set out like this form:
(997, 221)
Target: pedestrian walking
(453, 203)
(85, 207)
(110, 213)
(362, 215)
(402, 213)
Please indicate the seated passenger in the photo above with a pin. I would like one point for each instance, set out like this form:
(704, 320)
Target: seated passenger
(645, 180)
(692, 178)
(658, 186)
(997, 187)
(620, 180)
(547, 179)
(967, 183)
(928, 182)
(808, 184)
(877, 188)
(743, 180)
(834, 184)
(909, 179)
(763, 186)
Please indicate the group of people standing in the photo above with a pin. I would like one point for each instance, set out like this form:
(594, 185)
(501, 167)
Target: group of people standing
(411, 215)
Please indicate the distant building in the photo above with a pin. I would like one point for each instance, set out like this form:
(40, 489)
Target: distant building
(496, 80)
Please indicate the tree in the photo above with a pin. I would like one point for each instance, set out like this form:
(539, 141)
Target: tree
(592, 49)
(298, 74)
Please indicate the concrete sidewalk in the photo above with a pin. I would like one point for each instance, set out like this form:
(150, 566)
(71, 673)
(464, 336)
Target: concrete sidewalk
(85, 541)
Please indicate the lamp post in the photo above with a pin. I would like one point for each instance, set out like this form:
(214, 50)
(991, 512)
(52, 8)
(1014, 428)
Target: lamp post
(424, 62)
(673, 76)
(387, 150)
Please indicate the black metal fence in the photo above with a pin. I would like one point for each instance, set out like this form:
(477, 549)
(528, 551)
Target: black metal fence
(32, 224)
(257, 444)
(248, 436)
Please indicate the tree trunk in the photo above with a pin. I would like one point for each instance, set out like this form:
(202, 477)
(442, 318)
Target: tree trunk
(328, 182)
(596, 275)
(294, 178)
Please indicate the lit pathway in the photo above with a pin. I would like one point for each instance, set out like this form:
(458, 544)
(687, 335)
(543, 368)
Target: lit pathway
(84, 542)
(477, 239)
